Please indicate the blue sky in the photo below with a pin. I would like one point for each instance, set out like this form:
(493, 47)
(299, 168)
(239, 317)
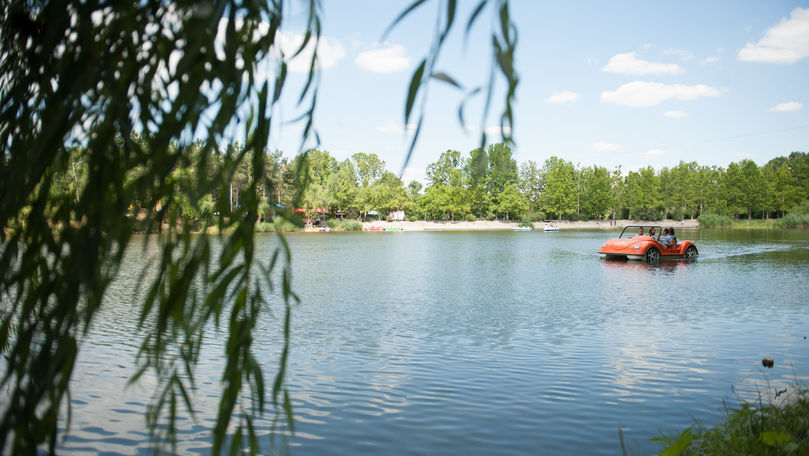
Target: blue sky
(630, 83)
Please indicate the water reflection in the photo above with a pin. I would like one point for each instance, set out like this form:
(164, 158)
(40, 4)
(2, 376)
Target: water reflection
(481, 343)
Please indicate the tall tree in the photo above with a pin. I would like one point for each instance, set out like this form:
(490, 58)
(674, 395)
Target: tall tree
(502, 169)
(511, 202)
(784, 191)
(597, 193)
(343, 186)
(369, 168)
(475, 171)
(754, 187)
(531, 183)
(440, 171)
(559, 197)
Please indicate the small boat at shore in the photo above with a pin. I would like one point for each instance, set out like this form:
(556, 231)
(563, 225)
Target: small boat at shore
(520, 228)
(549, 227)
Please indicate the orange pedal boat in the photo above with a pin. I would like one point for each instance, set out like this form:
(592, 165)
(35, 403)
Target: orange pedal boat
(632, 245)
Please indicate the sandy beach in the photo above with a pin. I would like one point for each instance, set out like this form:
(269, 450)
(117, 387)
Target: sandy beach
(484, 225)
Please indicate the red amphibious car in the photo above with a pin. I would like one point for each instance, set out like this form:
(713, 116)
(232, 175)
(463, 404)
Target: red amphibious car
(634, 246)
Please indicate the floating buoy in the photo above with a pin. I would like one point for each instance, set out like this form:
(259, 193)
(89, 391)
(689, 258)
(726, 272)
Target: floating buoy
(767, 362)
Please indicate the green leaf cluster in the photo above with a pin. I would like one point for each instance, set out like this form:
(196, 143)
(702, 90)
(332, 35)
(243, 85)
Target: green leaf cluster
(752, 429)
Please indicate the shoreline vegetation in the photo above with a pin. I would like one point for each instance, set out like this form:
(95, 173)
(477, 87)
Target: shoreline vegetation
(502, 225)
(281, 225)
(751, 428)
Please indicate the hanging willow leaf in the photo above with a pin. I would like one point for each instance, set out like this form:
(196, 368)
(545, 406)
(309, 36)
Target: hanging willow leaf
(412, 7)
(446, 78)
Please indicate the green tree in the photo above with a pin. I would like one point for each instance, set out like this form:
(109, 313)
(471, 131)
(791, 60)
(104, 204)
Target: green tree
(784, 189)
(798, 163)
(414, 189)
(559, 196)
(754, 187)
(709, 193)
(512, 202)
(369, 168)
(597, 194)
(343, 187)
(434, 204)
(475, 171)
(532, 183)
(733, 187)
(390, 194)
(643, 191)
(440, 171)
(502, 169)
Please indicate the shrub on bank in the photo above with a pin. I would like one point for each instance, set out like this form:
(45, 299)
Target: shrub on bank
(793, 220)
(752, 429)
(714, 221)
(535, 216)
(798, 217)
(278, 224)
(345, 225)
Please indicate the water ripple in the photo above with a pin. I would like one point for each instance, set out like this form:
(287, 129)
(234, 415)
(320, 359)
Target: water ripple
(484, 343)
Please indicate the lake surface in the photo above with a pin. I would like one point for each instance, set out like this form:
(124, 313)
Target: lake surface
(479, 343)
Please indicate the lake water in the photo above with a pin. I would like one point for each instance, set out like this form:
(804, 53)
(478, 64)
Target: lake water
(480, 343)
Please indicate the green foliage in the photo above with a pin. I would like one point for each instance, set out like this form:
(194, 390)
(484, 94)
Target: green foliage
(797, 218)
(345, 225)
(279, 224)
(88, 106)
(559, 196)
(534, 216)
(512, 203)
(503, 42)
(753, 430)
(714, 221)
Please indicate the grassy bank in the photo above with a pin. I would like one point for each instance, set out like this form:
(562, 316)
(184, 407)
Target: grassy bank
(721, 221)
(751, 429)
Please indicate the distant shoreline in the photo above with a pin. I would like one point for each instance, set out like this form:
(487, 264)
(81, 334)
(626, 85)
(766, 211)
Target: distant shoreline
(500, 225)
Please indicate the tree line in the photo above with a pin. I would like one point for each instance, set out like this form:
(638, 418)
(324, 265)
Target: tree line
(486, 184)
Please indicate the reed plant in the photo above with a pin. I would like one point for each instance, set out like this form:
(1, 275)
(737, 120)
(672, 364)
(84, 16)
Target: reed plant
(279, 224)
(345, 225)
(750, 429)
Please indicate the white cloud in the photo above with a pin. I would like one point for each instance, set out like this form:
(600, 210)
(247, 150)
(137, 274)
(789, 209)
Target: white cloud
(605, 147)
(675, 114)
(329, 52)
(643, 94)
(417, 174)
(785, 42)
(388, 59)
(786, 107)
(492, 130)
(565, 96)
(497, 131)
(628, 63)
(655, 152)
(681, 53)
(393, 127)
